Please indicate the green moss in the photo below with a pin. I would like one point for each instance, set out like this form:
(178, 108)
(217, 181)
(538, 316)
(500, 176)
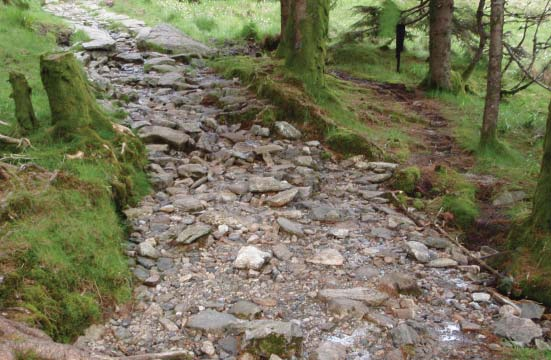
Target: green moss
(275, 344)
(459, 198)
(464, 210)
(61, 239)
(418, 204)
(351, 143)
(406, 179)
(303, 42)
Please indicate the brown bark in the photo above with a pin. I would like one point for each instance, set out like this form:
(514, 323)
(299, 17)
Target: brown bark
(284, 14)
(483, 38)
(440, 17)
(493, 88)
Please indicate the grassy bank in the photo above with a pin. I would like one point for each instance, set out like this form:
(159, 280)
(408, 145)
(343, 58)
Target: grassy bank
(347, 117)
(61, 261)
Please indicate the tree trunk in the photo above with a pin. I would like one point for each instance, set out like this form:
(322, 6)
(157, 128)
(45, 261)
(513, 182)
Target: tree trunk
(440, 17)
(303, 40)
(493, 88)
(73, 105)
(21, 94)
(284, 14)
(483, 37)
(541, 211)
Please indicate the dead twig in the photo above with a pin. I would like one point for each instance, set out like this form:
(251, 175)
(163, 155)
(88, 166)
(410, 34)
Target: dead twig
(443, 232)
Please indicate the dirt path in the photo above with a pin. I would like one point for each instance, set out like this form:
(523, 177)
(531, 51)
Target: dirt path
(253, 244)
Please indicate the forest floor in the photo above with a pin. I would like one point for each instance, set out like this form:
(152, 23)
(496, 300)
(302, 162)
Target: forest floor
(259, 239)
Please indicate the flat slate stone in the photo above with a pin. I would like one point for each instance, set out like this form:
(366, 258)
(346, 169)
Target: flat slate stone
(211, 320)
(167, 39)
(193, 233)
(164, 135)
(368, 296)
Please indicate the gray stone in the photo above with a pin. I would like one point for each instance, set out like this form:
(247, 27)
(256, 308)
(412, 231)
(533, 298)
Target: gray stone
(517, 329)
(164, 135)
(329, 350)
(267, 184)
(99, 39)
(325, 214)
(290, 226)
(400, 282)
(531, 310)
(404, 334)
(245, 310)
(148, 250)
(287, 131)
(260, 335)
(378, 178)
(347, 308)
(211, 321)
(442, 263)
(193, 233)
(509, 198)
(188, 204)
(282, 198)
(419, 251)
(331, 257)
(195, 171)
(250, 257)
(168, 39)
(282, 252)
(129, 57)
(481, 297)
(368, 296)
(366, 272)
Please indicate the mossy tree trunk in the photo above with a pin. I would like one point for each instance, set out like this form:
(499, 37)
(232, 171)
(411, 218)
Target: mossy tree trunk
(73, 105)
(541, 212)
(488, 135)
(440, 30)
(21, 94)
(304, 38)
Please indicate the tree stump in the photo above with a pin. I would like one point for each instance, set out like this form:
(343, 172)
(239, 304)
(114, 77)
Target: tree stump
(21, 94)
(72, 103)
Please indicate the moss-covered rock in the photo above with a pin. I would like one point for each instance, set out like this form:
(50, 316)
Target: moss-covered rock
(406, 179)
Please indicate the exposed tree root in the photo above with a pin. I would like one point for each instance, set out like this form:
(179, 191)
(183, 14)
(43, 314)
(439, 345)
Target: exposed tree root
(17, 339)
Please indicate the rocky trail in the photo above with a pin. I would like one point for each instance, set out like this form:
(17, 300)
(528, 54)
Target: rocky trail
(255, 245)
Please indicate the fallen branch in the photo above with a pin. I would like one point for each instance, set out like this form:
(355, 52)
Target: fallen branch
(18, 339)
(4, 123)
(23, 142)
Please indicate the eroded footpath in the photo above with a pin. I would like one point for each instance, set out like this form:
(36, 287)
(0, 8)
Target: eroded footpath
(254, 243)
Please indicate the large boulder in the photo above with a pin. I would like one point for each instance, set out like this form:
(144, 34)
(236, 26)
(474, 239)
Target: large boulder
(167, 39)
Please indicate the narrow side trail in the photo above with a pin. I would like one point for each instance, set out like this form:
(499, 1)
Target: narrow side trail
(252, 243)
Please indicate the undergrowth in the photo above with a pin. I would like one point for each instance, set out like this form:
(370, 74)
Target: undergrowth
(60, 233)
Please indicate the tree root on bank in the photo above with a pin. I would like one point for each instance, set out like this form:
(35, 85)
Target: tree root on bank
(18, 340)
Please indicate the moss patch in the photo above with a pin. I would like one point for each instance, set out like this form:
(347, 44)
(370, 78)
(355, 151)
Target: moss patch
(406, 179)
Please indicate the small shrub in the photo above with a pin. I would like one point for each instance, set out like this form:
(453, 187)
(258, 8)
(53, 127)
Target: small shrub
(406, 179)
(205, 23)
(249, 31)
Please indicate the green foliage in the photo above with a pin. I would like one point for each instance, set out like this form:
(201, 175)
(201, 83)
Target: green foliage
(529, 354)
(249, 31)
(388, 19)
(62, 259)
(406, 179)
(205, 23)
(459, 196)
